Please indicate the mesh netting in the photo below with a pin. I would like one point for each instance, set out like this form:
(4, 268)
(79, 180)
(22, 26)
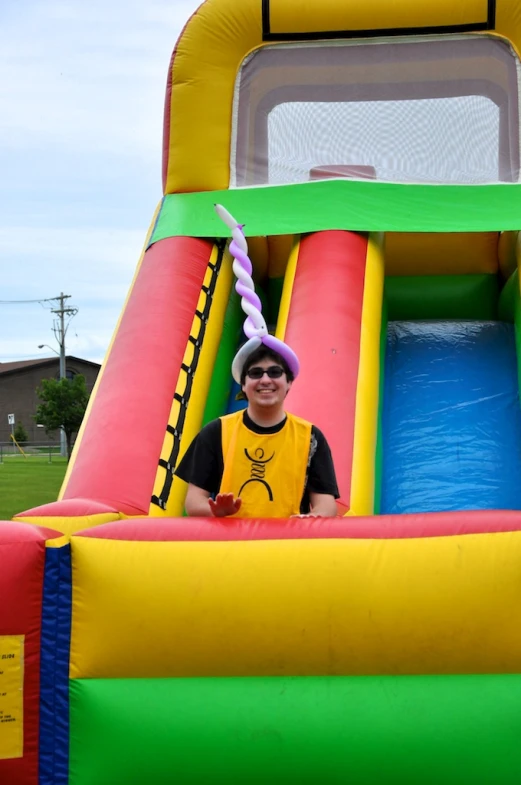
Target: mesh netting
(442, 140)
(430, 110)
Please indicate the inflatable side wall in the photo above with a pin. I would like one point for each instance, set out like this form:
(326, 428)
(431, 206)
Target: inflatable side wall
(276, 672)
(35, 613)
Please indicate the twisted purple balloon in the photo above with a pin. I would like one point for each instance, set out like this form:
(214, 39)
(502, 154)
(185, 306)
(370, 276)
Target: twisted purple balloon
(255, 327)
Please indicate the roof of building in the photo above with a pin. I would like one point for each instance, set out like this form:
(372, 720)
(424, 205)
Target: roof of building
(21, 365)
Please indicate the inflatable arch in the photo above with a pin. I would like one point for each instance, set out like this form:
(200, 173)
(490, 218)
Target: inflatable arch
(373, 153)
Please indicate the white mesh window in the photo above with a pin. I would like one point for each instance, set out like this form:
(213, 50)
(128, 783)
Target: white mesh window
(428, 110)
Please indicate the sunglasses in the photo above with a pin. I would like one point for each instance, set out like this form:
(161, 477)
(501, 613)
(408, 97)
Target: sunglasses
(274, 372)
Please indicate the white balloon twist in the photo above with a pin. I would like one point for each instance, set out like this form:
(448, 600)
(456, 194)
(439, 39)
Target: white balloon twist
(255, 327)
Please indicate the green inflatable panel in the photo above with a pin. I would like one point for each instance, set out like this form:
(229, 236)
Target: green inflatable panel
(508, 299)
(372, 730)
(220, 385)
(442, 297)
(343, 204)
(510, 311)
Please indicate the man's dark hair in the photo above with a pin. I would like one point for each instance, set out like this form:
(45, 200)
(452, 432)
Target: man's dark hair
(265, 353)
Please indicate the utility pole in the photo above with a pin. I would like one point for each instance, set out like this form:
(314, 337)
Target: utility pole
(60, 330)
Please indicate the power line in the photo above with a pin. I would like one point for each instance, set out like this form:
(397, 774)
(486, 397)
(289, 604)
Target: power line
(23, 302)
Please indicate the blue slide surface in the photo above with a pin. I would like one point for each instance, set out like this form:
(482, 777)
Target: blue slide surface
(452, 418)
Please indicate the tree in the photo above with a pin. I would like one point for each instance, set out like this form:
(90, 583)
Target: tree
(64, 402)
(20, 434)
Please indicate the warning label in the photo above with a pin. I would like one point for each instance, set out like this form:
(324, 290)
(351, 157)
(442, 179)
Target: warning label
(11, 696)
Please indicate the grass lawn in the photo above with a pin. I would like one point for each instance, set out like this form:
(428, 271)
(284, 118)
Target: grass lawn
(29, 482)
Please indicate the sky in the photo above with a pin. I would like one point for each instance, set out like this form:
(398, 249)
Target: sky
(82, 89)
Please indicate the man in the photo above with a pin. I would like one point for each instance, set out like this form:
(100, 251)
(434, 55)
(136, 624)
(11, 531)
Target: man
(261, 462)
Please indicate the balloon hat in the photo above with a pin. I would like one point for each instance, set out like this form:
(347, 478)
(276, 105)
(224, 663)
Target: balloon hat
(254, 326)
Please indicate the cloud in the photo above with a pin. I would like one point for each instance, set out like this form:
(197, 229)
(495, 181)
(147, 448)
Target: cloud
(81, 105)
(89, 70)
(98, 282)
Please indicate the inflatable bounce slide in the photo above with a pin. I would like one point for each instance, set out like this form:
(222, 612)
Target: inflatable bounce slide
(372, 153)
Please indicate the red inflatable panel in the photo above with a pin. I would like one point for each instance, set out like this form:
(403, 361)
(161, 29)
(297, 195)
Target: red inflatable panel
(324, 324)
(441, 524)
(68, 508)
(16, 533)
(117, 458)
(22, 560)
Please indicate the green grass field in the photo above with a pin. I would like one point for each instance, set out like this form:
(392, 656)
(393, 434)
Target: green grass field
(29, 482)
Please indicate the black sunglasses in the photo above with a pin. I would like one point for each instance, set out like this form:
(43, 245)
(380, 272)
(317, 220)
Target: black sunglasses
(274, 372)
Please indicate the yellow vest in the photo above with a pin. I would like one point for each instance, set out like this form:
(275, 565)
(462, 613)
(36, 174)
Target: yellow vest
(266, 470)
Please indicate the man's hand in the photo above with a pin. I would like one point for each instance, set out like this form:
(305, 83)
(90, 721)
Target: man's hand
(198, 503)
(224, 504)
(322, 505)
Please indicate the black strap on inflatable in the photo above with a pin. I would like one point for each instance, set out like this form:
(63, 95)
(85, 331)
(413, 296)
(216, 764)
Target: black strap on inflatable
(176, 429)
(288, 35)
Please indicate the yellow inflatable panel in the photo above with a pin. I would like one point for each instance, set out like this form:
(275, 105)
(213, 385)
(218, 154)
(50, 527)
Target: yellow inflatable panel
(222, 33)
(258, 251)
(214, 41)
(442, 605)
(508, 252)
(462, 253)
(70, 525)
(279, 250)
(368, 388)
(287, 289)
(375, 15)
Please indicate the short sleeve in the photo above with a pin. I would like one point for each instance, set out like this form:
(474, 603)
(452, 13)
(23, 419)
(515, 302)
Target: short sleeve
(321, 474)
(202, 463)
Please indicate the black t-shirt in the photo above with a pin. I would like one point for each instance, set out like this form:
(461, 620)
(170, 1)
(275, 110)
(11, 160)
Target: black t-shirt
(203, 462)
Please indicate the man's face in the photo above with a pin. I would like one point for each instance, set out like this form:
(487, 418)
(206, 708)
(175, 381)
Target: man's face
(266, 392)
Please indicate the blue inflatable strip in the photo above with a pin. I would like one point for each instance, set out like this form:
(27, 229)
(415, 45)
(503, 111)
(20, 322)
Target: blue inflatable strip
(452, 418)
(235, 404)
(54, 668)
